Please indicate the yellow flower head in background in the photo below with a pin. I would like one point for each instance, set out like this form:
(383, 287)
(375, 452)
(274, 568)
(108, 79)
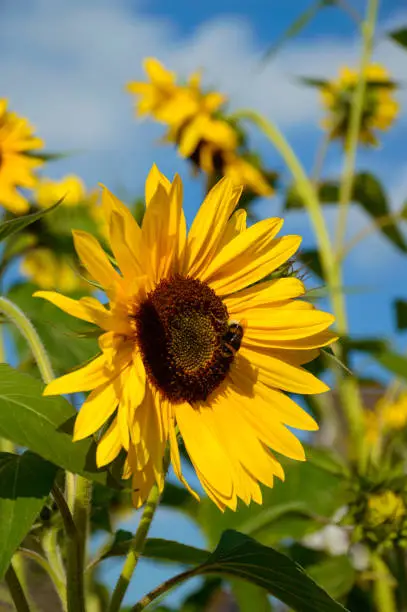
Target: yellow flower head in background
(17, 165)
(50, 271)
(380, 108)
(385, 507)
(388, 415)
(70, 187)
(192, 339)
(197, 125)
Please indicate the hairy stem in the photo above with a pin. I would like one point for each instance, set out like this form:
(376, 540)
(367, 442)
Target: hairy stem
(27, 329)
(136, 549)
(16, 590)
(161, 589)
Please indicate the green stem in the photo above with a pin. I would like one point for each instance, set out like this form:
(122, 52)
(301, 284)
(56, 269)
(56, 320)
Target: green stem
(352, 136)
(136, 549)
(27, 329)
(75, 549)
(401, 578)
(383, 586)
(348, 388)
(16, 590)
(54, 566)
(47, 566)
(161, 589)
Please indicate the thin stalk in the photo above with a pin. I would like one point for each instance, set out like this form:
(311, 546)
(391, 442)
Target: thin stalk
(47, 566)
(27, 329)
(16, 590)
(74, 554)
(352, 136)
(320, 157)
(383, 588)
(348, 388)
(136, 549)
(55, 564)
(401, 578)
(161, 589)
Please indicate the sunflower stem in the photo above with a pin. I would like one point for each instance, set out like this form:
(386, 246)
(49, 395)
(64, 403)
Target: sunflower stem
(136, 549)
(16, 590)
(27, 329)
(348, 387)
(352, 136)
(161, 589)
(383, 589)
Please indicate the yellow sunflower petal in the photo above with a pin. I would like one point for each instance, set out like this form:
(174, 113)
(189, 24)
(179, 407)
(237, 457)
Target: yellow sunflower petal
(282, 375)
(204, 449)
(95, 259)
(250, 257)
(175, 458)
(274, 326)
(235, 226)
(256, 459)
(109, 446)
(87, 309)
(90, 376)
(97, 408)
(155, 178)
(265, 294)
(209, 225)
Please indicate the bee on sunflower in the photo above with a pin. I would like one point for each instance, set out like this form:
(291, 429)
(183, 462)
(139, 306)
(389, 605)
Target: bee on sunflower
(380, 108)
(17, 159)
(194, 342)
(199, 127)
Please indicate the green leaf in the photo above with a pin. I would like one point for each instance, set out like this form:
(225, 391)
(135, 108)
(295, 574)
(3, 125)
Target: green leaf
(311, 259)
(369, 193)
(399, 36)
(297, 25)
(312, 82)
(401, 314)
(56, 329)
(8, 228)
(242, 557)
(25, 482)
(45, 425)
(289, 509)
(395, 363)
(157, 548)
(335, 574)
(250, 597)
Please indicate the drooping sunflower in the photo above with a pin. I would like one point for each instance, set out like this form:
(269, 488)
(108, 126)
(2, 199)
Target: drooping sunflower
(193, 339)
(380, 108)
(16, 164)
(197, 125)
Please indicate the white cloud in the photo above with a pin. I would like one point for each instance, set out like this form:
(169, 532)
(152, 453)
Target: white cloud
(69, 73)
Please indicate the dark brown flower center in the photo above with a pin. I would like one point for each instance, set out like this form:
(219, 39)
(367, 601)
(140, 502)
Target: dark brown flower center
(181, 328)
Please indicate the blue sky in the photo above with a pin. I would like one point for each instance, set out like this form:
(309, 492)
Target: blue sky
(64, 65)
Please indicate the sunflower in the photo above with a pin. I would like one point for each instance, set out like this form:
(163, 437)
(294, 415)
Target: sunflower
(197, 125)
(70, 187)
(16, 161)
(50, 271)
(379, 111)
(194, 343)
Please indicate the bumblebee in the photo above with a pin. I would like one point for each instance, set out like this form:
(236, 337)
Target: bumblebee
(232, 339)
